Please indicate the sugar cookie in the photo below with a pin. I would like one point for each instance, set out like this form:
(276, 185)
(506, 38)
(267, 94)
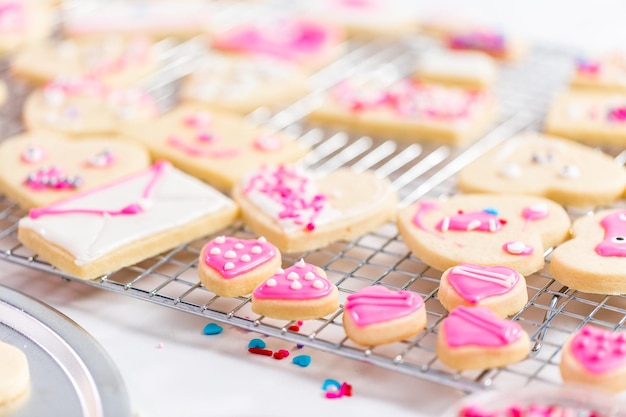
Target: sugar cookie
(300, 292)
(407, 109)
(501, 289)
(23, 23)
(561, 170)
(605, 73)
(39, 168)
(377, 315)
(233, 267)
(471, 69)
(14, 374)
(474, 338)
(215, 146)
(484, 229)
(488, 40)
(125, 222)
(594, 260)
(299, 211)
(595, 357)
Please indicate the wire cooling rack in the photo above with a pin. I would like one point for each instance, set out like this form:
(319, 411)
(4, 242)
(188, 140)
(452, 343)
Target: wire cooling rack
(416, 170)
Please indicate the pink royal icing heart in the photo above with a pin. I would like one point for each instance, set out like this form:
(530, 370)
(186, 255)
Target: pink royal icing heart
(377, 304)
(301, 281)
(232, 257)
(479, 326)
(599, 350)
(475, 283)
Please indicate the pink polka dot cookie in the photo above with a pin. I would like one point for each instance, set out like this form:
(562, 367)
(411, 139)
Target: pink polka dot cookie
(377, 315)
(504, 230)
(475, 338)
(596, 357)
(300, 292)
(501, 289)
(232, 267)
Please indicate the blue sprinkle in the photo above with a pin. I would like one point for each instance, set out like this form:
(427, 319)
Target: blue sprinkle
(212, 328)
(330, 383)
(302, 360)
(491, 210)
(256, 343)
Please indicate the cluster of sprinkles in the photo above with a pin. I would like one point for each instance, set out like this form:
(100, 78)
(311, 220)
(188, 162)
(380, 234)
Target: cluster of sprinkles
(52, 178)
(292, 191)
(258, 347)
(484, 40)
(529, 410)
(334, 389)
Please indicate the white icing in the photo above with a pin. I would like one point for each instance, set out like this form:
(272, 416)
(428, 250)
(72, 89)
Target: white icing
(256, 250)
(176, 199)
(463, 64)
(293, 276)
(309, 276)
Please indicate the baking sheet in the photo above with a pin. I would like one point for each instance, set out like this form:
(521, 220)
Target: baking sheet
(71, 374)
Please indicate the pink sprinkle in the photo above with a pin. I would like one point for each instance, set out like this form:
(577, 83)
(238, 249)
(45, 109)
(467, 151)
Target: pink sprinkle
(206, 137)
(160, 345)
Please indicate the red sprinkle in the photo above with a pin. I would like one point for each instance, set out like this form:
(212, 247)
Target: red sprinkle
(259, 351)
(294, 328)
(347, 389)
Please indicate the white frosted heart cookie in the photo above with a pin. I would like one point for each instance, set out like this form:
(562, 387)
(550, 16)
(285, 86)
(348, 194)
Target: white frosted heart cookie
(594, 260)
(597, 118)
(39, 168)
(561, 170)
(472, 69)
(115, 60)
(484, 229)
(125, 221)
(407, 109)
(215, 146)
(299, 211)
(23, 23)
(14, 374)
(232, 267)
(85, 106)
(300, 292)
(377, 315)
(500, 289)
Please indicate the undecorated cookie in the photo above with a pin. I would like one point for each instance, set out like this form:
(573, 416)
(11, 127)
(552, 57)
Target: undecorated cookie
(562, 170)
(594, 260)
(484, 229)
(377, 315)
(475, 338)
(39, 168)
(14, 374)
(125, 221)
(595, 357)
(407, 109)
(300, 292)
(471, 69)
(215, 146)
(500, 289)
(232, 267)
(298, 211)
(603, 73)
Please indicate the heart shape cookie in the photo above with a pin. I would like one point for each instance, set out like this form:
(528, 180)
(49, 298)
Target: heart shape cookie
(39, 168)
(298, 210)
(299, 292)
(231, 267)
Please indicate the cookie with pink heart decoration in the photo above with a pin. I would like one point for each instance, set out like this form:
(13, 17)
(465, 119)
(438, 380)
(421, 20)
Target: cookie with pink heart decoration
(475, 338)
(300, 292)
(232, 267)
(499, 288)
(483, 229)
(594, 260)
(596, 357)
(298, 210)
(377, 315)
(38, 168)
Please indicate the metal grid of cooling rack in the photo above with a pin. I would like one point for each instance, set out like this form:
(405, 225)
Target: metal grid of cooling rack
(416, 170)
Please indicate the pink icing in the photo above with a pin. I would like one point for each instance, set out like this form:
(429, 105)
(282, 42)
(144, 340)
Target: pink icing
(33, 154)
(480, 221)
(137, 52)
(614, 243)
(617, 114)
(301, 281)
(535, 212)
(268, 143)
(201, 119)
(484, 40)
(423, 208)
(12, 16)
(155, 172)
(528, 410)
(370, 5)
(377, 304)
(517, 248)
(199, 151)
(599, 350)
(232, 257)
(478, 326)
(52, 178)
(292, 191)
(475, 283)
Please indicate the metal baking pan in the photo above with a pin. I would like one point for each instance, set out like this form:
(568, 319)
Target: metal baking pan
(71, 374)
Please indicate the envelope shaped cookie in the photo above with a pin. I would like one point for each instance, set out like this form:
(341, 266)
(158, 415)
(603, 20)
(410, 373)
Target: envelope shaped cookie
(603, 73)
(39, 168)
(85, 106)
(215, 146)
(243, 84)
(407, 109)
(24, 22)
(561, 170)
(298, 211)
(125, 221)
(597, 118)
(484, 229)
(594, 260)
(596, 357)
